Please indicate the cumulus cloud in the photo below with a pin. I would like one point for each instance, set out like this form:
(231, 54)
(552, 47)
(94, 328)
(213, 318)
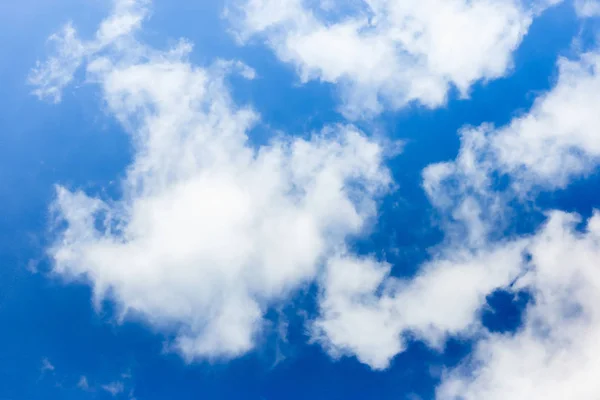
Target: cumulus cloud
(554, 142)
(367, 313)
(387, 53)
(555, 355)
(558, 139)
(210, 230)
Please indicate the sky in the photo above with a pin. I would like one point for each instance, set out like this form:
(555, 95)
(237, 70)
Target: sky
(299, 199)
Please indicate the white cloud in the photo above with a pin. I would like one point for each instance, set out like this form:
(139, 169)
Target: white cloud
(558, 139)
(367, 313)
(210, 231)
(47, 365)
(554, 142)
(114, 388)
(57, 72)
(52, 76)
(387, 53)
(462, 193)
(555, 355)
(587, 8)
(83, 383)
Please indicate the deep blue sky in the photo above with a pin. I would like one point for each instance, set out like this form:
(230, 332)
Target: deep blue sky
(77, 144)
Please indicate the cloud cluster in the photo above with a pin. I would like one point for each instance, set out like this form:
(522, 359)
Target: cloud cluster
(211, 230)
(555, 355)
(388, 53)
(367, 313)
(547, 147)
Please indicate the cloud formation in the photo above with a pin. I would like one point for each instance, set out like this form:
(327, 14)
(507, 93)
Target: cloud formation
(388, 53)
(551, 356)
(367, 313)
(545, 148)
(52, 76)
(211, 230)
(555, 355)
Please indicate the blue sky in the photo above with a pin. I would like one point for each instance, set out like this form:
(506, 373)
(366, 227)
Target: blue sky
(254, 199)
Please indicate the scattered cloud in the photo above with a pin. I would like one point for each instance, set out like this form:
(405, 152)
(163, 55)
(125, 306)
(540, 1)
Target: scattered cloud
(546, 148)
(367, 313)
(388, 53)
(587, 8)
(555, 354)
(49, 78)
(557, 140)
(118, 388)
(210, 231)
(114, 388)
(47, 366)
(32, 266)
(83, 383)
(551, 356)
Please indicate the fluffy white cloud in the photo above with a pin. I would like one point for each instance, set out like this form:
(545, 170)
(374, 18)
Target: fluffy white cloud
(210, 231)
(559, 138)
(387, 53)
(555, 141)
(556, 354)
(367, 313)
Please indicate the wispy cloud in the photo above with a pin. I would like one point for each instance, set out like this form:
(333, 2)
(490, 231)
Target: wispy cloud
(83, 383)
(587, 8)
(47, 366)
(49, 78)
(114, 388)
